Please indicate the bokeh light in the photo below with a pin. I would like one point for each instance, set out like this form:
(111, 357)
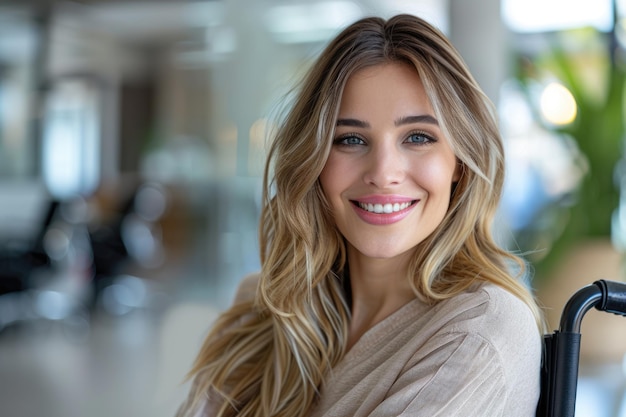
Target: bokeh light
(558, 105)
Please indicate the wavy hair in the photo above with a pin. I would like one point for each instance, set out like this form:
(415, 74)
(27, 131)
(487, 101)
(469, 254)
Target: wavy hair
(268, 356)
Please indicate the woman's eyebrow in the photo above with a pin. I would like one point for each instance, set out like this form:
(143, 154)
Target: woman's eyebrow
(352, 123)
(424, 118)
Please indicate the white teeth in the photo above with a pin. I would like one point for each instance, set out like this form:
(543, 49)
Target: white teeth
(384, 208)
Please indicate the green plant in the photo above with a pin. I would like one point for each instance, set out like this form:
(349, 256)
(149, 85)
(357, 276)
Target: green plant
(588, 63)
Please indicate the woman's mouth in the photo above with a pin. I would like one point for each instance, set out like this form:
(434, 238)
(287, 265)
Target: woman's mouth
(377, 212)
(387, 208)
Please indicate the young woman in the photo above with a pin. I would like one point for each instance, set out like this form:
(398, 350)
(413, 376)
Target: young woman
(382, 292)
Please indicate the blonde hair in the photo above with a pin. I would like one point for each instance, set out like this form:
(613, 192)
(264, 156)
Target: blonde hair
(268, 356)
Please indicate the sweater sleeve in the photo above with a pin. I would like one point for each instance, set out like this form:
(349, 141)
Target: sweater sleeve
(456, 374)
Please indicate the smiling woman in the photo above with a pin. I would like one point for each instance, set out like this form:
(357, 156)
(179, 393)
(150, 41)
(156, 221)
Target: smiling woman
(382, 292)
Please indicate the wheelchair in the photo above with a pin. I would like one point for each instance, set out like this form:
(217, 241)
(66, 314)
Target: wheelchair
(561, 354)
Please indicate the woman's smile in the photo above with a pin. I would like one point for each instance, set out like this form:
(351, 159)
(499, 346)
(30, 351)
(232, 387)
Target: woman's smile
(382, 210)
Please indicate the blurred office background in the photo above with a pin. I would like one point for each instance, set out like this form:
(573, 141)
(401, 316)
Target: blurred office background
(132, 142)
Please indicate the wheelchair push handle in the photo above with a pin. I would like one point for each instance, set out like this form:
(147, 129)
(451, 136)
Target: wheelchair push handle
(604, 295)
(613, 297)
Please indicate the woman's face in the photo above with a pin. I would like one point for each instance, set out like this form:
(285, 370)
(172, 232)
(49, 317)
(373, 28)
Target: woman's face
(390, 171)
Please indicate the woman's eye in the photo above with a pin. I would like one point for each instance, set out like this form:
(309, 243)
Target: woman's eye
(349, 140)
(420, 138)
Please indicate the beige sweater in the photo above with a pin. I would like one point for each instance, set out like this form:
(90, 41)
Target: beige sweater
(477, 354)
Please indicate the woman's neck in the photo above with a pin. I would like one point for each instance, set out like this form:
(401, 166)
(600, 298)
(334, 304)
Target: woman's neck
(379, 288)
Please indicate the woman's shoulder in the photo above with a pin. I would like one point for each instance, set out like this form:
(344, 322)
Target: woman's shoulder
(495, 315)
(507, 313)
(502, 320)
(492, 311)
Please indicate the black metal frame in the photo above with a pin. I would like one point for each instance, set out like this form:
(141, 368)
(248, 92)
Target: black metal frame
(559, 373)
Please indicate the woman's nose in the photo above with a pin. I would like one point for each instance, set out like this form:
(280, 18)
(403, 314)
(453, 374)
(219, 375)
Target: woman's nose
(385, 167)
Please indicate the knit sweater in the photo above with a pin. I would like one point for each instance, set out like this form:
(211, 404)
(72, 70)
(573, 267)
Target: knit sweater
(476, 354)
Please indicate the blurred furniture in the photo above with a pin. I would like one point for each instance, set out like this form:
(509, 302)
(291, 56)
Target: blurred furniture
(18, 259)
